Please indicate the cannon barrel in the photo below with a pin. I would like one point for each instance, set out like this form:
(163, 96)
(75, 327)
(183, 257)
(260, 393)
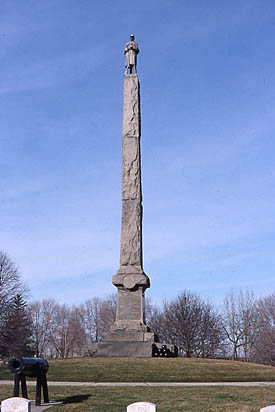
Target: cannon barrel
(31, 367)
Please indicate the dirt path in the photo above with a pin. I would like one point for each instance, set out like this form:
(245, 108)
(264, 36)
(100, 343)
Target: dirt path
(32, 383)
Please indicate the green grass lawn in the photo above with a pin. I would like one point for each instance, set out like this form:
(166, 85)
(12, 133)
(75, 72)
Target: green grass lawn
(192, 399)
(153, 370)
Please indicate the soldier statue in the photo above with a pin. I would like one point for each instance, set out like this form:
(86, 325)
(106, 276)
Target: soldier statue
(131, 50)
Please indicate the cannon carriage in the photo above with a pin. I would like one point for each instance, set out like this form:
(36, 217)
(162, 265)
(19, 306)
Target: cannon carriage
(32, 368)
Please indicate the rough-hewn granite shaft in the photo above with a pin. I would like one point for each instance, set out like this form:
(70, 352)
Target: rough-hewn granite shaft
(131, 224)
(130, 279)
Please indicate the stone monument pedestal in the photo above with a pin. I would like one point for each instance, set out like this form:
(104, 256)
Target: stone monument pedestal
(129, 336)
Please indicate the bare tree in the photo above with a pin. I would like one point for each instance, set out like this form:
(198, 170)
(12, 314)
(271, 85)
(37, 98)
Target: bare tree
(77, 331)
(107, 312)
(189, 322)
(67, 334)
(264, 347)
(238, 320)
(91, 311)
(42, 313)
(210, 333)
(156, 320)
(196, 325)
(99, 315)
(62, 331)
(151, 312)
(10, 282)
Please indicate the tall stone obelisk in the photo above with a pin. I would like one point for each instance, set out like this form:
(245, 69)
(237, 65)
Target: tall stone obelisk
(130, 279)
(129, 335)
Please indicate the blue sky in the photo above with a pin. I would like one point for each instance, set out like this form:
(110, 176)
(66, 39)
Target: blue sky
(207, 78)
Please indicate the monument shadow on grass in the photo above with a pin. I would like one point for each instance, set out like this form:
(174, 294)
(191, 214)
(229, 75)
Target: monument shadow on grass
(74, 399)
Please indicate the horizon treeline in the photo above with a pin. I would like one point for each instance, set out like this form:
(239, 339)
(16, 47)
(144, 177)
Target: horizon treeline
(243, 329)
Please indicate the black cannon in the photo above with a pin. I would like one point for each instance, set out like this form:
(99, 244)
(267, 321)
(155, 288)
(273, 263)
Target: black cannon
(32, 368)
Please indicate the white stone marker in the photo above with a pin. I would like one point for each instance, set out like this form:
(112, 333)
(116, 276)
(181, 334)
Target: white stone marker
(270, 408)
(142, 407)
(16, 405)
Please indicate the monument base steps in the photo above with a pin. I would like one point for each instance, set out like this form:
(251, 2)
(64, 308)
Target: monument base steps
(129, 336)
(125, 349)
